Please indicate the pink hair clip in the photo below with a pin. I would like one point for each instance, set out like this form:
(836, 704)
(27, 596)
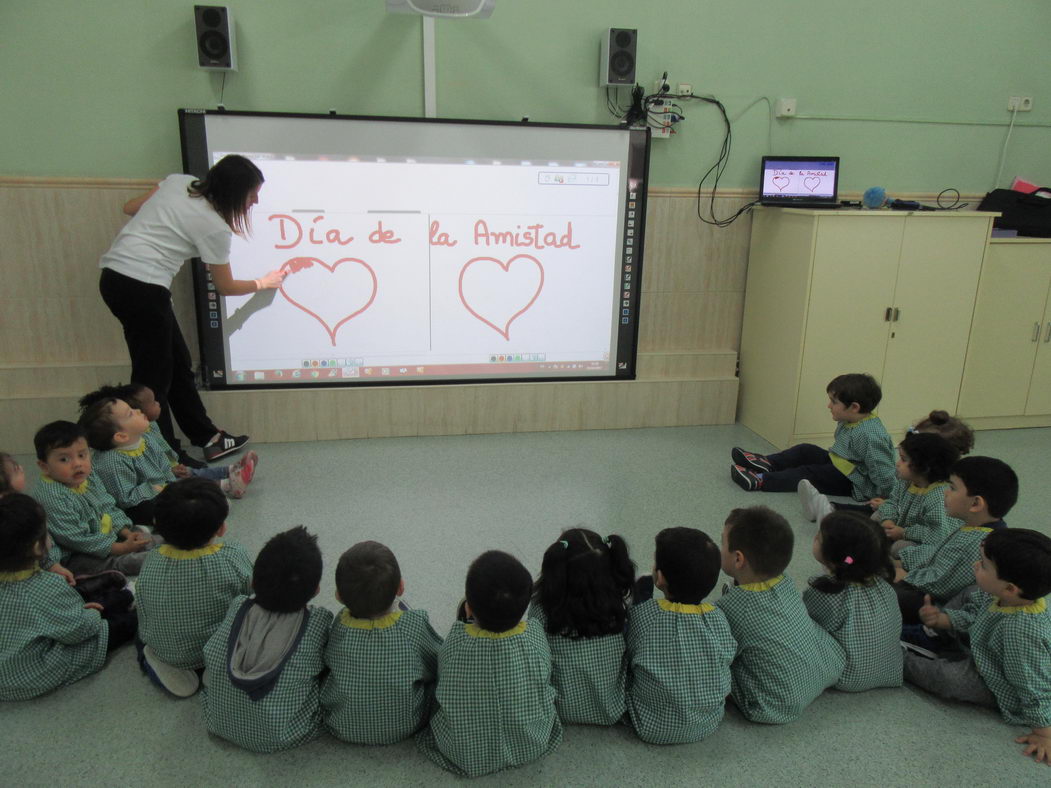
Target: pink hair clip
(848, 560)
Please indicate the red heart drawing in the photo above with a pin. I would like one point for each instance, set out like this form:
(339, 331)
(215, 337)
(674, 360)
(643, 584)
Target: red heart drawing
(329, 299)
(506, 294)
(811, 183)
(781, 182)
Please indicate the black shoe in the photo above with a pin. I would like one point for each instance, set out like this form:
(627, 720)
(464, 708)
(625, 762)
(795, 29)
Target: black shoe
(226, 444)
(191, 462)
(745, 479)
(914, 637)
(750, 460)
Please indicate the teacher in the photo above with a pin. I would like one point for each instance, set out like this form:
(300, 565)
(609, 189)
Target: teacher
(180, 218)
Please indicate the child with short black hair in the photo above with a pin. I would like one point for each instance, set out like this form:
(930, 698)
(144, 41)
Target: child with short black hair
(680, 647)
(495, 703)
(262, 688)
(1009, 625)
(914, 513)
(382, 656)
(48, 636)
(91, 532)
(784, 659)
(980, 492)
(860, 462)
(854, 602)
(580, 601)
(13, 480)
(187, 584)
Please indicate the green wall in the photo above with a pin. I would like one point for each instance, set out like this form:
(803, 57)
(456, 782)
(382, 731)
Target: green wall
(911, 93)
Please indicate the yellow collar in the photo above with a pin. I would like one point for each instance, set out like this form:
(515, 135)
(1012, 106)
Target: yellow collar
(852, 424)
(678, 607)
(1039, 606)
(138, 451)
(168, 551)
(15, 577)
(476, 631)
(924, 490)
(383, 622)
(80, 489)
(976, 528)
(765, 585)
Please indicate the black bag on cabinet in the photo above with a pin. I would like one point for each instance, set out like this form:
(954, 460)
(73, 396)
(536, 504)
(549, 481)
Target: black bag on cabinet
(1029, 214)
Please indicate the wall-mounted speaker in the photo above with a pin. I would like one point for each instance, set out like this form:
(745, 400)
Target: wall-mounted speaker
(617, 58)
(214, 25)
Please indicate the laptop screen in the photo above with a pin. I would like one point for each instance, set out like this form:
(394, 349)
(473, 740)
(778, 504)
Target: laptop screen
(800, 181)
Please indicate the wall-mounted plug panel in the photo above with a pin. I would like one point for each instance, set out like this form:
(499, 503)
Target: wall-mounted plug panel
(785, 108)
(1020, 104)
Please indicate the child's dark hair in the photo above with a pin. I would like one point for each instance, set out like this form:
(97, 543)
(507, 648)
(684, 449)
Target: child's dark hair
(6, 461)
(855, 550)
(990, 478)
(930, 455)
(367, 579)
(107, 391)
(23, 532)
(99, 424)
(498, 589)
(1022, 557)
(949, 427)
(56, 435)
(189, 512)
(584, 582)
(856, 387)
(287, 571)
(763, 536)
(689, 561)
(227, 187)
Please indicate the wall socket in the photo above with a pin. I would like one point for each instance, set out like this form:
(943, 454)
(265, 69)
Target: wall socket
(785, 108)
(1020, 104)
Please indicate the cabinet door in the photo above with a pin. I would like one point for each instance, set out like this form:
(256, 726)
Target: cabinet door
(852, 285)
(1039, 402)
(941, 259)
(1000, 355)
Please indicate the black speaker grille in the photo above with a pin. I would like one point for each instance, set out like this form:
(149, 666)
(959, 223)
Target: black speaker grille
(621, 64)
(212, 17)
(213, 44)
(622, 39)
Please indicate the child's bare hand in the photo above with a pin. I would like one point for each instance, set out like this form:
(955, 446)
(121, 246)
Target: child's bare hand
(893, 531)
(899, 574)
(93, 606)
(158, 487)
(876, 503)
(1039, 747)
(181, 471)
(140, 540)
(931, 616)
(62, 572)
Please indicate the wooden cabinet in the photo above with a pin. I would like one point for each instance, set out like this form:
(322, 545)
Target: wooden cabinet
(1008, 369)
(829, 292)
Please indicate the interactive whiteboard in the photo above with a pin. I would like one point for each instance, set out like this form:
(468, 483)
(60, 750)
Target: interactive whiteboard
(425, 251)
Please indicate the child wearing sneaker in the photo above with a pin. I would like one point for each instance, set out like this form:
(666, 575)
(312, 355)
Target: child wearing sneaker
(91, 533)
(860, 462)
(980, 492)
(680, 648)
(854, 601)
(382, 657)
(1009, 625)
(784, 659)
(186, 585)
(233, 479)
(261, 684)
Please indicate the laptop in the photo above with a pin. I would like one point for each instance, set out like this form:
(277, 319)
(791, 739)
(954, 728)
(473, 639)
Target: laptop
(800, 181)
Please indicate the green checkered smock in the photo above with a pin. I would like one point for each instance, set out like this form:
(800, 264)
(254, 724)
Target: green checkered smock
(946, 569)
(865, 454)
(784, 659)
(1011, 647)
(495, 703)
(287, 716)
(82, 519)
(866, 622)
(182, 597)
(680, 659)
(920, 511)
(130, 474)
(47, 638)
(153, 435)
(380, 685)
(589, 675)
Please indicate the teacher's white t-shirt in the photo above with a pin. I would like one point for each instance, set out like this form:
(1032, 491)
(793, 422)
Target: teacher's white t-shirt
(169, 228)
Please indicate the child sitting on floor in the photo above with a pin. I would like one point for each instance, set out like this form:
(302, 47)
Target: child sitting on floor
(382, 657)
(187, 584)
(854, 601)
(495, 703)
(13, 480)
(784, 659)
(92, 533)
(49, 637)
(1009, 625)
(579, 600)
(261, 688)
(680, 647)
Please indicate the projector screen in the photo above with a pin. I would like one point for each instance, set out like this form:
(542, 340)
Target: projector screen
(425, 251)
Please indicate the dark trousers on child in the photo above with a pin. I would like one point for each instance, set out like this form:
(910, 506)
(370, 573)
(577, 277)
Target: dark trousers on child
(159, 356)
(805, 461)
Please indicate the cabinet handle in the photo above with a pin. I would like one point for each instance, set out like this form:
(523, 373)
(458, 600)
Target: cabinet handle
(897, 314)
(887, 314)
(1036, 332)
(1047, 336)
